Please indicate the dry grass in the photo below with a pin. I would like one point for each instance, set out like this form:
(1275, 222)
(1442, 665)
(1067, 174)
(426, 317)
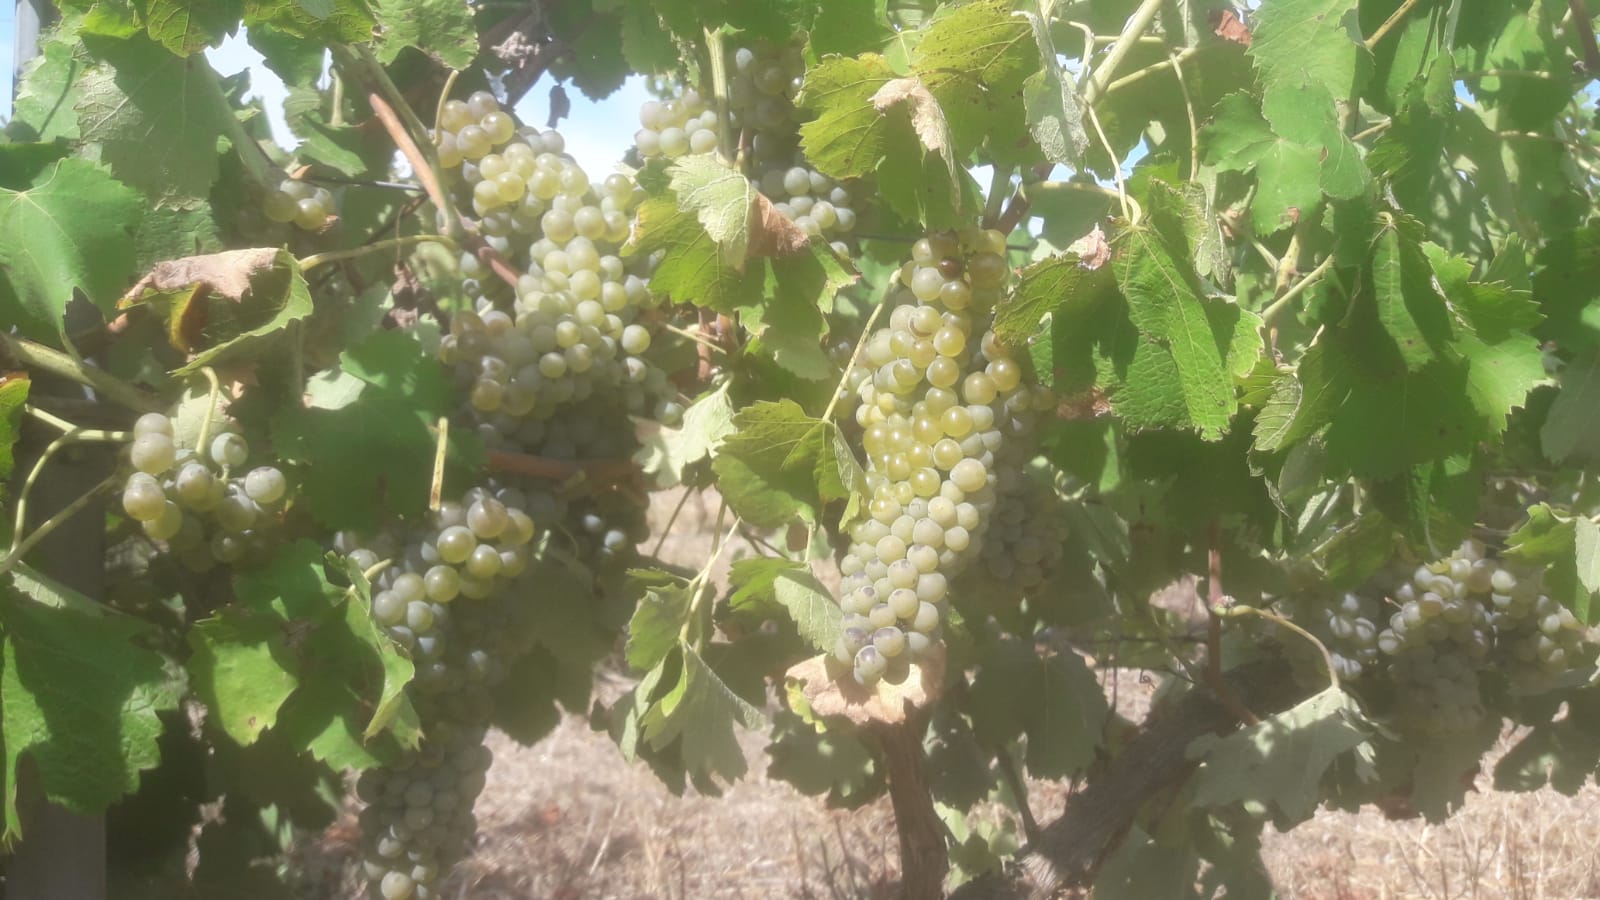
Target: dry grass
(569, 818)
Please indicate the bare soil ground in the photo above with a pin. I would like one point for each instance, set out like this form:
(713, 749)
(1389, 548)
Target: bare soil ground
(569, 818)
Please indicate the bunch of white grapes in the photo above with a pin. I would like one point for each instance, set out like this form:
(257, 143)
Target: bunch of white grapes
(306, 205)
(418, 820)
(1026, 535)
(578, 327)
(1446, 624)
(762, 86)
(934, 398)
(203, 505)
(676, 127)
(456, 594)
(761, 99)
(466, 549)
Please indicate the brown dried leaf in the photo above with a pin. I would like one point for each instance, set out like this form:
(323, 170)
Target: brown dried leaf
(927, 117)
(226, 274)
(772, 233)
(1089, 404)
(892, 703)
(1093, 249)
(1228, 26)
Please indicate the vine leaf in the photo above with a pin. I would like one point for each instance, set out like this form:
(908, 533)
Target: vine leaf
(157, 117)
(1279, 761)
(442, 28)
(186, 28)
(701, 710)
(1304, 42)
(82, 695)
(1055, 700)
(241, 670)
(46, 93)
(782, 463)
(1567, 548)
(1182, 374)
(71, 231)
(375, 456)
(927, 120)
(693, 269)
(13, 394)
(811, 607)
(1571, 430)
(264, 290)
(722, 200)
(707, 422)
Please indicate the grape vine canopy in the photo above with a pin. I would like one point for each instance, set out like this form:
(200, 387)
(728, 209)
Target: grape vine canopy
(988, 328)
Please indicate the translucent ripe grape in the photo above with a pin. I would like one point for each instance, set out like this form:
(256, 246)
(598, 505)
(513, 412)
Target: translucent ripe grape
(480, 104)
(484, 562)
(957, 539)
(674, 142)
(153, 453)
(488, 518)
(635, 339)
(889, 640)
(870, 664)
(142, 497)
(1005, 374)
(152, 423)
(229, 449)
(957, 421)
(978, 389)
(442, 584)
(397, 886)
(498, 126)
(925, 283)
(265, 484)
(456, 544)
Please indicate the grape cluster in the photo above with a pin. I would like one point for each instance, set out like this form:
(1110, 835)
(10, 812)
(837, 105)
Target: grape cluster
(935, 399)
(578, 326)
(307, 206)
(1448, 623)
(675, 127)
(197, 503)
(418, 819)
(456, 597)
(1026, 532)
(761, 96)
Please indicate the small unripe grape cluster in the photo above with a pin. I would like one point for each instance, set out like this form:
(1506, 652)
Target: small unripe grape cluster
(676, 127)
(935, 398)
(204, 506)
(306, 205)
(577, 327)
(418, 821)
(762, 86)
(467, 549)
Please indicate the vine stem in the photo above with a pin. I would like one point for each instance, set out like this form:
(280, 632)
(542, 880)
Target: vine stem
(316, 259)
(66, 427)
(441, 447)
(694, 336)
(1390, 23)
(1194, 125)
(444, 97)
(844, 378)
(719, 92)
(1277, 306)
(672, 520)
(1116, 163)
(24, 547)
(1274, 618)
(1137, 24)
(697, 586)
(1215, 601)
(998, 182)
(38, 356)
(1138, 75)
(211, 409)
